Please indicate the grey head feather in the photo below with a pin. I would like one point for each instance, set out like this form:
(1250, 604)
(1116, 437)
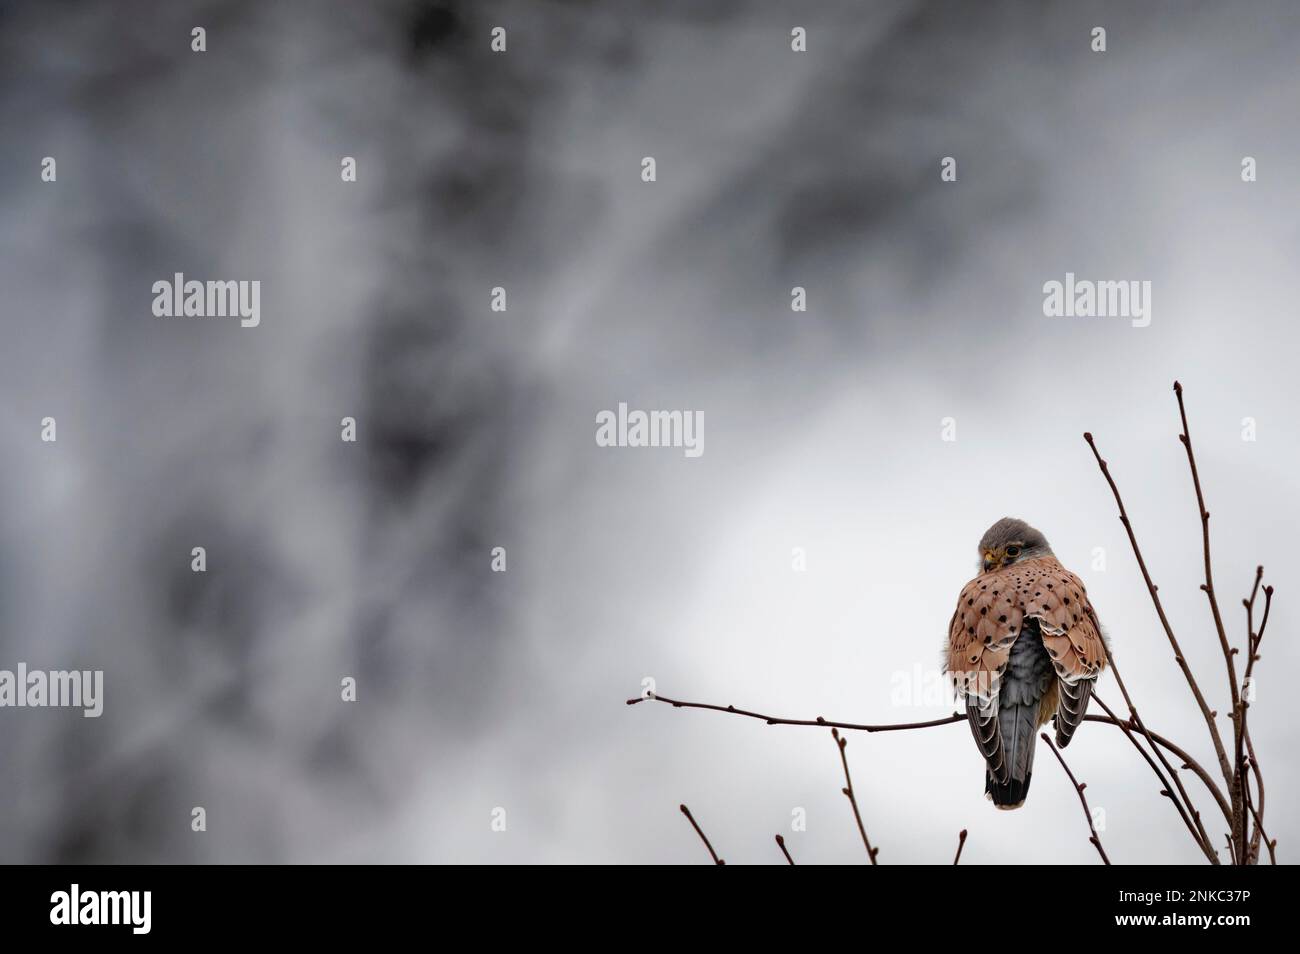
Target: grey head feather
(1012, 531)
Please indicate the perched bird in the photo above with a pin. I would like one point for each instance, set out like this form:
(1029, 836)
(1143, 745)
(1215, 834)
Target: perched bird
(1024, 646)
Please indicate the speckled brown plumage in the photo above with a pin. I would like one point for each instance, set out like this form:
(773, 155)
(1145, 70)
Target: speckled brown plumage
(990, 615)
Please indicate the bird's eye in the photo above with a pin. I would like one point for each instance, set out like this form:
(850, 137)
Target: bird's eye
(1013, 551)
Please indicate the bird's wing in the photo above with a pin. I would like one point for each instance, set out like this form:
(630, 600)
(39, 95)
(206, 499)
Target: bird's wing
(1071, 707)
(1057, 599)
(980, 635)
(987, 621)
(985, 725)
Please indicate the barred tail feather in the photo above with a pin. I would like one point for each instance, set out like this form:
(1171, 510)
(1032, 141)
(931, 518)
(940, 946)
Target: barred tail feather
(1019, 725)
(1072, 707)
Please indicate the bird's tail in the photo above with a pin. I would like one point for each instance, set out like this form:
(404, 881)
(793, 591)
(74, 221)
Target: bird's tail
(1018, 723)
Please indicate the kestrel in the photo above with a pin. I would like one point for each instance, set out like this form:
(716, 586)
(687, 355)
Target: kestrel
(1023, 646)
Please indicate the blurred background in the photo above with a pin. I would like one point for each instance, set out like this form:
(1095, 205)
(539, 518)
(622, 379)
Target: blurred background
(479, 690)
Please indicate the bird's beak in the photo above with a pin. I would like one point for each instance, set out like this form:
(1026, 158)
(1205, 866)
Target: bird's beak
(992, 558)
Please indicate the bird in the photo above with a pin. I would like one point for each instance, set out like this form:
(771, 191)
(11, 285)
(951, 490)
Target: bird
(1024, 647)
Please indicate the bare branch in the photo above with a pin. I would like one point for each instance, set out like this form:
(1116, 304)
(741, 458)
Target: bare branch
(699, 831)
(1259, 783)
(1208, 586)
(1188, 762)
(1156, 740)
(1193, 822)
(1078, 787)
(1153, 590)
(1270, 843)
(1239, 817)
(819, 721)
(1183, 802)
(1245, 748)
(785, 851)
(961, 843)
(842, 743)
(1109, 719)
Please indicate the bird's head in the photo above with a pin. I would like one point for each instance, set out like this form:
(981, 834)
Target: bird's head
(1009, 541)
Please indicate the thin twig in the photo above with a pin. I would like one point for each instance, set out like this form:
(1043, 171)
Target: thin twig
(1259, 783)
(961, 843)
(842, 743)
(1110, 719)
(1127, 726)
(776, 720)
(1271, 843)
(1078, 787)
(948, 720)
(1242, 729)
(1183, 802)
(1208, 586)
(1189, 763)
(1253, 639)
(785, 851)
(1166, 788)
(1235, 782)
(700, 831)
(1153, 590)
